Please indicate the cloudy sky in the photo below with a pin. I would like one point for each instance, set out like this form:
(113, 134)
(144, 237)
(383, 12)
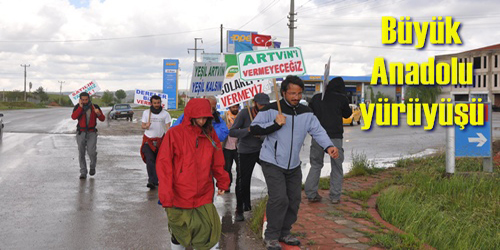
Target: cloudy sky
(121, 43)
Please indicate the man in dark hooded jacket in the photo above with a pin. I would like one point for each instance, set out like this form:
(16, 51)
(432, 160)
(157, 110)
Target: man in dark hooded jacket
(329, 111)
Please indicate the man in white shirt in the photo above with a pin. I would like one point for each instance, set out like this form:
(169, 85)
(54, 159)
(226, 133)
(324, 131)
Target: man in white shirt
(156, 122)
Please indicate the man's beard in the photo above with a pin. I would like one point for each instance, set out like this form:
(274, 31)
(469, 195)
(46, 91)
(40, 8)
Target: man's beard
(234, 112)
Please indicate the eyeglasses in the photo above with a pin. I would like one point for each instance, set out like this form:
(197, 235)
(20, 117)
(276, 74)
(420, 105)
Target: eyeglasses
(294, 93)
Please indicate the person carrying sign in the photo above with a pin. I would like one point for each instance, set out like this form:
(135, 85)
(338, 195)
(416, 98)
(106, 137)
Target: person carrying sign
(218, 124)
(248, 153)
(189, 159)
(329, 111)
(285, 133)
(229, 146)
(156, 123)
(86, 133)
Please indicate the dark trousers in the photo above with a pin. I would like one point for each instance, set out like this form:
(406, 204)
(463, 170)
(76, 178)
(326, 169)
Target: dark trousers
(230, 156)
(284, 188)
(243, 178)
(150, 164)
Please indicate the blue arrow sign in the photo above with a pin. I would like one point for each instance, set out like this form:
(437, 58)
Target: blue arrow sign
(474, 141)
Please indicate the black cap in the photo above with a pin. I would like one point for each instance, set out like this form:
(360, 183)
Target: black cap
(261, 99)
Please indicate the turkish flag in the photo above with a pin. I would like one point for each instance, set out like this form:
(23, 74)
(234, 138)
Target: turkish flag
(261, 40)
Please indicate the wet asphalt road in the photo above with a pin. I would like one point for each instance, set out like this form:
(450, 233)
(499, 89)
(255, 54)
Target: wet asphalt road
(45, 206)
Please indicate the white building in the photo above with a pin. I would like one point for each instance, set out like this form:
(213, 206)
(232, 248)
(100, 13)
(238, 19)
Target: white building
(486, 66)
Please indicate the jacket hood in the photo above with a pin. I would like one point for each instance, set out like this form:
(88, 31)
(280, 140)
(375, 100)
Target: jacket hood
(336, 85)
(196, 108)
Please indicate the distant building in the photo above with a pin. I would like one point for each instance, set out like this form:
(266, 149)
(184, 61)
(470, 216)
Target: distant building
(486, 73)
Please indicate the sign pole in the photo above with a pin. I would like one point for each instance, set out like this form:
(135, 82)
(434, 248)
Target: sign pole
(277, 96)
(488, 161)
(249, 111)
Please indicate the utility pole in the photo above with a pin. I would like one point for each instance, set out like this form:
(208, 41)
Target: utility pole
(25, 66)
(60, 91)
(291, 25)
(221, 39)
(196, 48)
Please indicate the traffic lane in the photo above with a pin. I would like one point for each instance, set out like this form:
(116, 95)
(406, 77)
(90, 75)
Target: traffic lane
(49, 120)
(46, 205)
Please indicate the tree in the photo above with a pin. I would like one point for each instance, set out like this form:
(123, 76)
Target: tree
(425, 94)
(120, 94)
(41, 95)
(107, 97)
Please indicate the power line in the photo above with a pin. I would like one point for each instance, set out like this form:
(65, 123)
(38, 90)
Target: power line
(371, 47)
(104, 39)
(260, 13)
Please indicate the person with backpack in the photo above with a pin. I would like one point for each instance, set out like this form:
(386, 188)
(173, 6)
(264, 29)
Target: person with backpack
(86, 132)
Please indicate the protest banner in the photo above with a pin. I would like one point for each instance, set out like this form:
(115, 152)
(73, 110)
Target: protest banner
(272, 63)
(207, 79)
(91, 88)
(143, 97)
(237, 91)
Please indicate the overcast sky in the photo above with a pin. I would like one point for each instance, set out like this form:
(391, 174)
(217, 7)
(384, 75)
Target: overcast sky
(121, 43)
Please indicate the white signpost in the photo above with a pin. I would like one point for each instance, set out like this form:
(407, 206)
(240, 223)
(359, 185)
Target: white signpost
(272, 63)
(142, 97)
(207, 79)
(90, 88)
(237, 91)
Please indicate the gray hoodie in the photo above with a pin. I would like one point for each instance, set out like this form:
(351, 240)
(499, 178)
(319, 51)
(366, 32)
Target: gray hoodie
(282, 145)
(247, 143)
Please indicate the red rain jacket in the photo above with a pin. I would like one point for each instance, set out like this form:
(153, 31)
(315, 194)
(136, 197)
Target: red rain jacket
(187, 162)
(82, 118)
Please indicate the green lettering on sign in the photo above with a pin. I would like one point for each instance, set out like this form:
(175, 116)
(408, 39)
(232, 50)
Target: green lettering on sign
(248, 59)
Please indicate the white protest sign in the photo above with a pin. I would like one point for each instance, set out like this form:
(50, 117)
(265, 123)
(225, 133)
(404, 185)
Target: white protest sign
(236, 91)
(207, 79)
(272, 63)
(90, 88)
(325, 78)
(143, 97)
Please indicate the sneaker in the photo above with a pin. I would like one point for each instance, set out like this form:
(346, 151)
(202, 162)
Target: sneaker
(83, 176)
(317, 198)
(335, 201)
(92, 172)
(239, 217)
(272, 245)
(290, 240)
(151, 185)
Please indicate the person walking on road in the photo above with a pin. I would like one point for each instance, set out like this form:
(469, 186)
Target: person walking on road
(229, 145)
(248, 153)
(189, 159)
(155, 123)
(285, 133)
(86, 132)
(329, 111)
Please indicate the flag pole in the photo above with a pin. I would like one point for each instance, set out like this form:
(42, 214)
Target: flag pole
(249, 111)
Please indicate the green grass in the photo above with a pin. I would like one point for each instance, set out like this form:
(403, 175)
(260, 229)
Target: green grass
(175, 113)
(364, 195)
(362, 214)
(459, 212)
(361, 166)
(396, 241)
(20, 105)
(257, 219)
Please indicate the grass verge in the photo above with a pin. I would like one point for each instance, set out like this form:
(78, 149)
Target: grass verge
(20, 105)
(361, 166)
(459, 212)
(258, 212)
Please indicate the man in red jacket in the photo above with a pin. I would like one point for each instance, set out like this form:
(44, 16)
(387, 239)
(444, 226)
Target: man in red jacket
(86, 133)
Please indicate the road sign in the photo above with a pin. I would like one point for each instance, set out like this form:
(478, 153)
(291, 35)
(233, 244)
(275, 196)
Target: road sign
(474, 141)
